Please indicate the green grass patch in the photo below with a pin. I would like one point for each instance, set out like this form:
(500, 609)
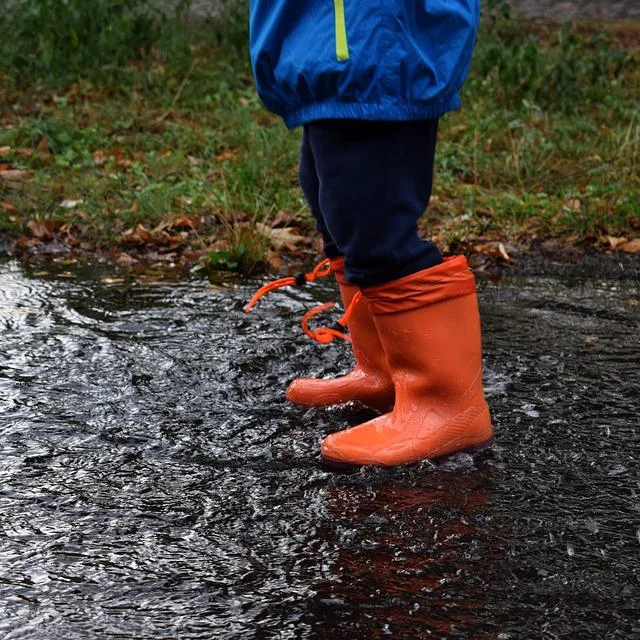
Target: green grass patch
(169, 146)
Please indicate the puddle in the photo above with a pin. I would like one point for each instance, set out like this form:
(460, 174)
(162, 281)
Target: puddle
(156, 484)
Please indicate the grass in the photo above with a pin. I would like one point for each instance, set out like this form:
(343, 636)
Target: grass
(175, 155)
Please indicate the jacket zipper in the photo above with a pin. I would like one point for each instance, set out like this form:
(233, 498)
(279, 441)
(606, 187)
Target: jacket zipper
(342, 43)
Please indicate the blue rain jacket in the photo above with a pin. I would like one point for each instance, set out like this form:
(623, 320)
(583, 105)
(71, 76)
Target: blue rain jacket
(362, 59)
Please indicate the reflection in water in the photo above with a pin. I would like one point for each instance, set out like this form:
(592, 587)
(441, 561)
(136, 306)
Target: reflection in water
(413, 554)
(154, 483)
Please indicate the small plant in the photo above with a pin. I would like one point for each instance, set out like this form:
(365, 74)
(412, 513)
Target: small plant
(246, 251)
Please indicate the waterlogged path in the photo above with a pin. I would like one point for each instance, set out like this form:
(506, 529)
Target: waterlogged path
(155, 484)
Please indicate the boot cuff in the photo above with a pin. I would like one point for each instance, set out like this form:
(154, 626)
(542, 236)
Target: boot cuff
(337, 267)
(451, 279)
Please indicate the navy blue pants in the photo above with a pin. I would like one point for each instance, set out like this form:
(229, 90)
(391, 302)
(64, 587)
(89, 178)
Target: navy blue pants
(367, 184)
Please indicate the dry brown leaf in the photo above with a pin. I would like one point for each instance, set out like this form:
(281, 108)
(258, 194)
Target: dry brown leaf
(125, 259)
(43, 146)
(275, 262)
(279, 238)
(15, 174)
(100, 157)
(39, 229)
(573, 205)
(25, 242)
(7, 206)
(282, 219)
(613, 241)
(186, 221)
(503, 252)
(633, 246)
(227, 154)
(494, 249)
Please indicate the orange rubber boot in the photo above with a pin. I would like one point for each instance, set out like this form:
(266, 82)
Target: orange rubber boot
(370, 381)
(429, 326)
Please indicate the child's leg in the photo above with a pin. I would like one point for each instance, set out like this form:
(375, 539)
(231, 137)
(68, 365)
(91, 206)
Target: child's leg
(374, 183)
(311, 188)
(369, 382)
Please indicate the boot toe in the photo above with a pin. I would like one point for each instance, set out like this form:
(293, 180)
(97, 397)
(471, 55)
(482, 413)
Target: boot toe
(337, 458)
(313, 392)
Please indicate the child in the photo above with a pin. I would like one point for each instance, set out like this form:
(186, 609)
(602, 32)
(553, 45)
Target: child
(368, 81)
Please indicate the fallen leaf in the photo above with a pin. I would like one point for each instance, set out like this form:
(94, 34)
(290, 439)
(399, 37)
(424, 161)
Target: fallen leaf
(156, 236)
(185, 221)
(125, 259)
(70, 204)
(282, 219)
(503, 252)
(494, 249)
(39, 229)
(227, 154)
(633, 246)
(613, 241)
(7, 206)
(43, 146)
(573, 205)
(15, 174)
(279, 238)
(100, 157)
(25, 242)
(275, 262)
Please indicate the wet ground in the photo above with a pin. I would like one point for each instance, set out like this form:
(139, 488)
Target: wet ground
(155, 484)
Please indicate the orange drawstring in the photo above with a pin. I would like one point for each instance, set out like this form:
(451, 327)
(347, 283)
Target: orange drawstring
(321, 270)
(323, 335)
(326, 335)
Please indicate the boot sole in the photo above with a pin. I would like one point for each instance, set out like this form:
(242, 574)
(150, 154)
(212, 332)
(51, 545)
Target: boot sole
(349, 467)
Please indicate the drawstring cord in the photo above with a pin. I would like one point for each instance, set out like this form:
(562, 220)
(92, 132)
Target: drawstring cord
(326, 335)
(323, 335)
(321, 270)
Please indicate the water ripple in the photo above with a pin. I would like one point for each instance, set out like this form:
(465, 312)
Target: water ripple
(155, 483)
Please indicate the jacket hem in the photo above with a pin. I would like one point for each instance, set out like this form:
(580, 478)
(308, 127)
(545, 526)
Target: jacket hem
(370, 111)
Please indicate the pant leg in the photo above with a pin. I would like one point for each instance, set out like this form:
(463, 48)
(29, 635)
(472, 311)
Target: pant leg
(375, 181)
(311, 188)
